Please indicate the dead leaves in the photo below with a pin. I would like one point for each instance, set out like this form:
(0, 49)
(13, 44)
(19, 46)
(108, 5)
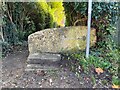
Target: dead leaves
(41, 73)
(99, 71)
(116, 86)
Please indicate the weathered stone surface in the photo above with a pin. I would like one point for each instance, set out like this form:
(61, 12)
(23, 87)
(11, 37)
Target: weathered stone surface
(43, 61)
(43, 58)
(58, 40)
(35, 67)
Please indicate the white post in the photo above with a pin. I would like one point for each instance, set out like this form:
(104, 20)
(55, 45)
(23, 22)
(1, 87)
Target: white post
(89, 27)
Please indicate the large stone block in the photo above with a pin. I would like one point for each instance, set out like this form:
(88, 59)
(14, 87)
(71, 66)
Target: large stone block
(57, 40)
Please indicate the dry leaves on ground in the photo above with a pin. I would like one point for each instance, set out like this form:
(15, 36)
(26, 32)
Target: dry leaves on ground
(99, 70)
(116, 86)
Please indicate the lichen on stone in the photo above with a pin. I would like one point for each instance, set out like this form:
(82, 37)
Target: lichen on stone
(57, 40)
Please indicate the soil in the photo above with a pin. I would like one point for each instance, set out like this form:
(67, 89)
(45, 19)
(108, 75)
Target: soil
(15, 76)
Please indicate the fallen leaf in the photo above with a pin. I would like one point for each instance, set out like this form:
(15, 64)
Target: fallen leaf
(17, 76)
(99, 70)
(115, 86)
(41, 73)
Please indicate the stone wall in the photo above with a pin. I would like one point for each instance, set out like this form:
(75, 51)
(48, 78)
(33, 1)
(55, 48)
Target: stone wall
(57, 40)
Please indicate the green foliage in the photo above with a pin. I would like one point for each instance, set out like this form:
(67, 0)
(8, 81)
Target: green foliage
(101, 11)
(103, 14)
(106, 54)
(115, 80)
(106, 57)
(55, 10)
(21, 19)
(16, 23)
(5, 48)
(75, 11)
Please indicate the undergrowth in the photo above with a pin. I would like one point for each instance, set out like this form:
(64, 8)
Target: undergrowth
(106, 57)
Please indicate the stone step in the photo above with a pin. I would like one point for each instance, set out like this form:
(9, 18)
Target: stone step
(44, 56)
(43, 62)
(35, 67)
